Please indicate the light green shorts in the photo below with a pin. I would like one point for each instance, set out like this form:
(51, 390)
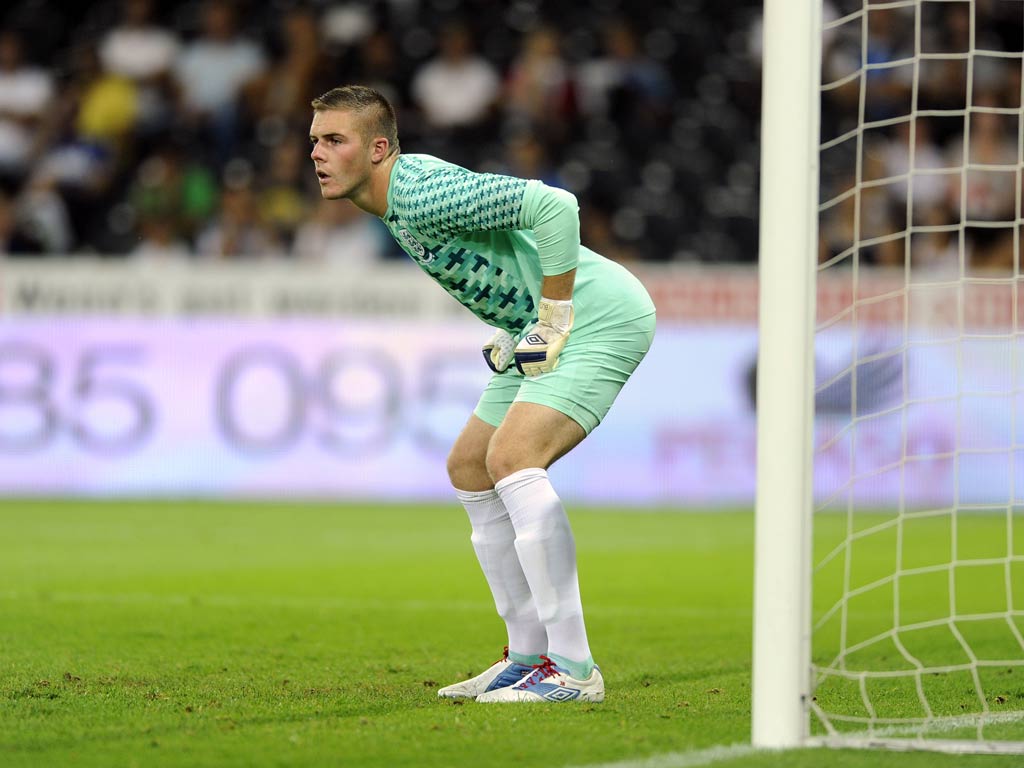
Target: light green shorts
(592, 369)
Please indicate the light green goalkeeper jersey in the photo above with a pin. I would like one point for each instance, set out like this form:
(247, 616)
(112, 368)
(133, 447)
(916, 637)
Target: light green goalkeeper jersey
(489, 239)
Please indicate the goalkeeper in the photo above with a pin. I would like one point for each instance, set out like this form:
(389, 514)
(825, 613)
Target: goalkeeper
(570, 327)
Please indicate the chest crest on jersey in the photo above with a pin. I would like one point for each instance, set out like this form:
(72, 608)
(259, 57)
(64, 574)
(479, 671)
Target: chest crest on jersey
(420, 253)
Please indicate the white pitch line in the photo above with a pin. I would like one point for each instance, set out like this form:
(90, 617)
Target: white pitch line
(694, 759)
(892, 737)
(928, 736)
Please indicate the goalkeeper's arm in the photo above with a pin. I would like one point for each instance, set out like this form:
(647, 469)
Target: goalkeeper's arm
(553, 215)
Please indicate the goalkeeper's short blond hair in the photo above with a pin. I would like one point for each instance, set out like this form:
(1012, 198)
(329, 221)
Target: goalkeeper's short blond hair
(376, 114)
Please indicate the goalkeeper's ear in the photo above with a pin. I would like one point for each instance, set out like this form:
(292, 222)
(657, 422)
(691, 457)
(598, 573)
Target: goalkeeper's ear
(380, 149)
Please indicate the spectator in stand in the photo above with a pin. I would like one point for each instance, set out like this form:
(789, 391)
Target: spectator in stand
(889, 38)
(211, 73)
(90, 149)
(15, 240)
(139, 49)
(458, 92)
(943, 81)
(838, 233)
(380, 66)
(108, 109)
(168, 184)
(935, 251)
(283, 197)
(626, 88)
(26, 92)
(527, 157)
(540, 94)
(237, 231)
(879, 218)
(45, 216)
(277, 100)
(159, 239)
(991, 194)
(929, 187)
(338, 233)
(964, 22)
(597, 231)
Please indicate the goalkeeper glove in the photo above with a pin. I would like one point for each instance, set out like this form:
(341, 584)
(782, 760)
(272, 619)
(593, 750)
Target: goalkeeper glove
(499, 350)
(538, 351)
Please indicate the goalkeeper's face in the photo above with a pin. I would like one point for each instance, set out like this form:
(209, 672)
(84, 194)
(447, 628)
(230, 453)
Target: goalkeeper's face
(340, 152)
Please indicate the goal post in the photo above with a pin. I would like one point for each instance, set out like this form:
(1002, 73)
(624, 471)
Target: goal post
(889, 520)
(785, 371)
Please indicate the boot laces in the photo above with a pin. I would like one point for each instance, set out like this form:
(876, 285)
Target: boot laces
(540, 671)
(504, 656)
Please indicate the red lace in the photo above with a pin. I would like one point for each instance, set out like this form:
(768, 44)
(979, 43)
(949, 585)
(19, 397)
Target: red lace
(504, 656)
(540, 671)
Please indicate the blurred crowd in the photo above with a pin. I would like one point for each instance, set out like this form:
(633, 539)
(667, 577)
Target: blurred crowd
(158, 129)
(154, 129)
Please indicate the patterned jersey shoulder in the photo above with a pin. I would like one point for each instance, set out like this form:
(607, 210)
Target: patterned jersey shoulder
(441, 200)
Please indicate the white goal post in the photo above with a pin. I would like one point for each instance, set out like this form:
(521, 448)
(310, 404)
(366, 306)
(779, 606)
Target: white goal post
(889, 526)
(785, 371)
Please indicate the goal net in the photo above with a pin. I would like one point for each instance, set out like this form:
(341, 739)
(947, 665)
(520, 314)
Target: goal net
(889, 535)
(917, 604)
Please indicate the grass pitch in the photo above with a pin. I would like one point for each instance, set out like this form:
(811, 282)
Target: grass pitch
(198, 634)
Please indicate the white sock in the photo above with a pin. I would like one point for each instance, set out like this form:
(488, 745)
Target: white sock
(547, 553)
(494, 541)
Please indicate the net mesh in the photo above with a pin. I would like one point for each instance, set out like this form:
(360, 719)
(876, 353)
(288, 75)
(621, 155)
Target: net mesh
(918, 590)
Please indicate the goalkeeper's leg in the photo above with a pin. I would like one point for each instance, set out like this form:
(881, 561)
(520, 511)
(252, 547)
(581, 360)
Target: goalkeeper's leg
(543, 419)
(529, 440)
(493, 540)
